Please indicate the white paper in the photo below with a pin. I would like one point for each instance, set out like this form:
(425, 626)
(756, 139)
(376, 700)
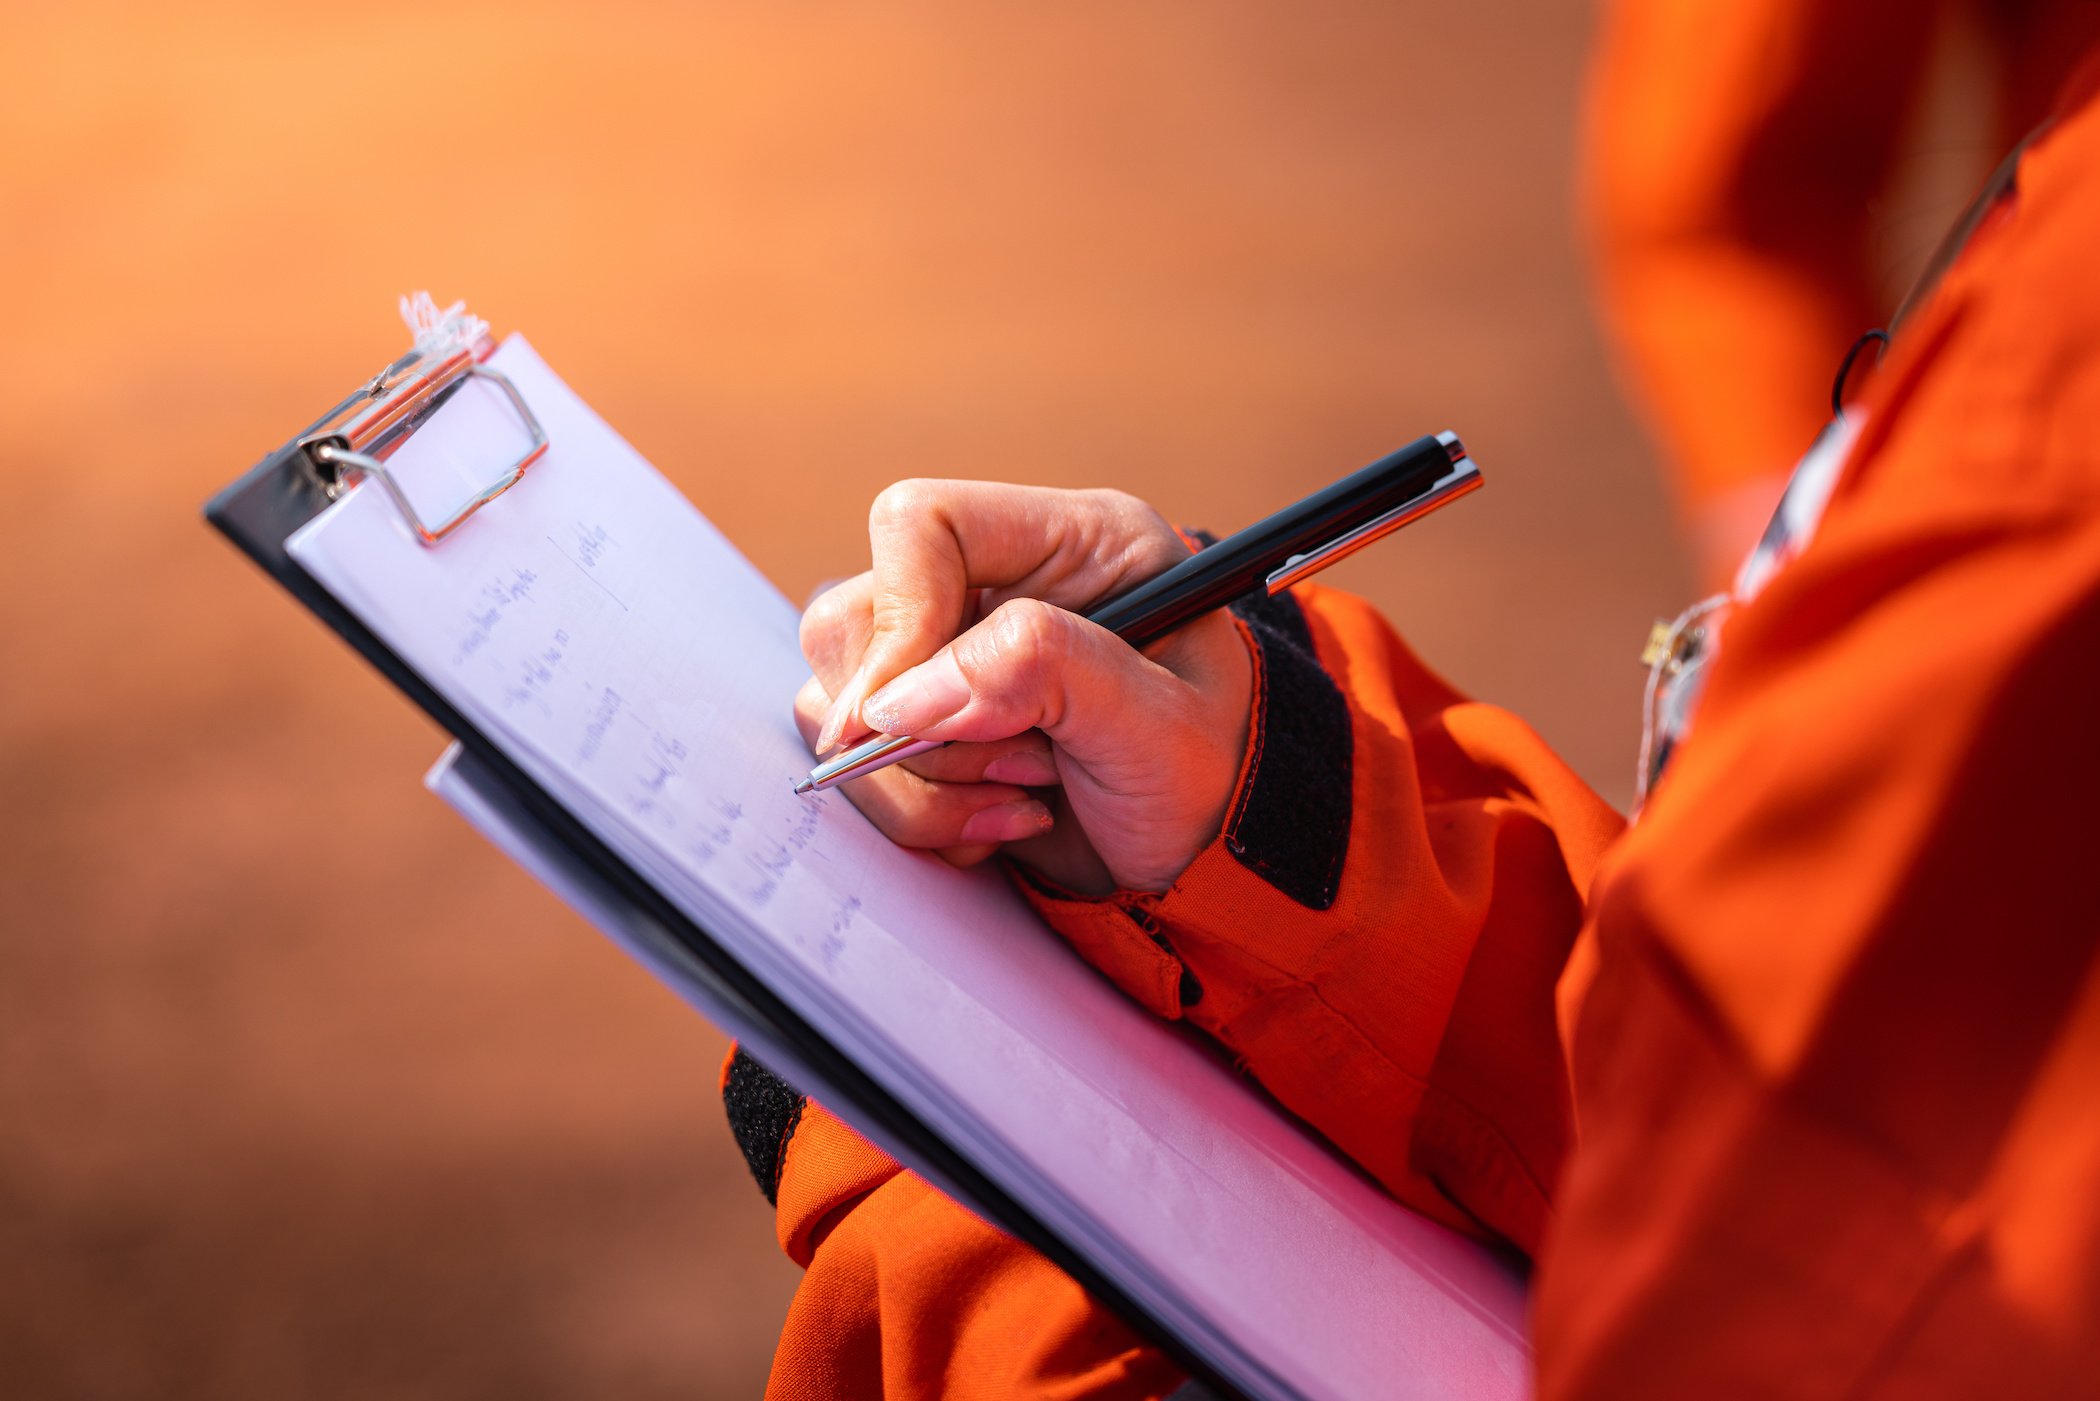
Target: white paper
(596, 626)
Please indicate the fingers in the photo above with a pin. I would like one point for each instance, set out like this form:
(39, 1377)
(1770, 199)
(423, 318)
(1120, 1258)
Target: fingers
(965, 821)
(956, 634)
(1023, 760)
(935, 543)
(1030, 665)
(947, 816)
(1146, 757)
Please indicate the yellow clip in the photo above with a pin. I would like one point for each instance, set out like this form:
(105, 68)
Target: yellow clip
(1658, 646)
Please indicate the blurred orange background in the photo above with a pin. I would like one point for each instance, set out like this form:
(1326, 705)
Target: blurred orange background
(305, 1091)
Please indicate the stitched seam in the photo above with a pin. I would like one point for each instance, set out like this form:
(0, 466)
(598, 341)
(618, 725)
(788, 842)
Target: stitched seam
(1255, 742)
(1161, 965)
(787, 1136)
(1176, 978)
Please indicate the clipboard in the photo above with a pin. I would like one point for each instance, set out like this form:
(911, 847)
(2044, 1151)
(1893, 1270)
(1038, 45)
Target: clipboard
(264, 507)
(293, 486)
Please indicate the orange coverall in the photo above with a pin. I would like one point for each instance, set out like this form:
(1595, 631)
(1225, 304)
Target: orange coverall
(1791, 1088)
(1736, 156)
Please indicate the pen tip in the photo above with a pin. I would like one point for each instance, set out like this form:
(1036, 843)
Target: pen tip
(805, 786)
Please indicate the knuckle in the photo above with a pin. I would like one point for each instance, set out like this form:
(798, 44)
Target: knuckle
(827, 614)
(1025, 635)
(1027, 643)
(1137, 534)
(1121, 505)
(901, 503)
(1159, 551)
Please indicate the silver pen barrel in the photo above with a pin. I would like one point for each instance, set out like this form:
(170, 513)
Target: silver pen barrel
(863, 758)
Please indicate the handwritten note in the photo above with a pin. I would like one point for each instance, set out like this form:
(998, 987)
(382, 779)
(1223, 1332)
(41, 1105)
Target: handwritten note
(596, 618)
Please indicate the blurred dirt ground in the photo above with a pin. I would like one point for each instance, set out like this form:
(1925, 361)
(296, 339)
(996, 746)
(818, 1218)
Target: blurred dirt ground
(303, 1091)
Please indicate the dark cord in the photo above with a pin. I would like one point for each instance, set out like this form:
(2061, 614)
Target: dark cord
(1837, 388)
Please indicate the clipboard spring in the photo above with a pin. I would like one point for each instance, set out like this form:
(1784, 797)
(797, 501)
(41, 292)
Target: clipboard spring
(353, 440)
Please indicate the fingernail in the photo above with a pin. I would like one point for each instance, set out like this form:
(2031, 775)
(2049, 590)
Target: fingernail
(1027, 768)
(836, 718)
(922, 697)
(1008, 822)
(828, 732)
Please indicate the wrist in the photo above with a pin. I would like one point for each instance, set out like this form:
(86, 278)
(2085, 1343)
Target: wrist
(1278, 840)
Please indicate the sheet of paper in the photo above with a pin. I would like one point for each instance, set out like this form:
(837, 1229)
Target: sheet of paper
(622, 651)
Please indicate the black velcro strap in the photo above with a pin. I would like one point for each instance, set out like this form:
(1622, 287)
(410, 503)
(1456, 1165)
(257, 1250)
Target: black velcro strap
(764, 1111)
(1291, 827)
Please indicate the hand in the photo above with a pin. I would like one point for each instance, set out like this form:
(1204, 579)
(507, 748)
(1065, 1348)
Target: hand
(1102, 767)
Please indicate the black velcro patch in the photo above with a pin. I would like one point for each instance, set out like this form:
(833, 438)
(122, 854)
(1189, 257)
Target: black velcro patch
(1291, 827)
(764, 1111)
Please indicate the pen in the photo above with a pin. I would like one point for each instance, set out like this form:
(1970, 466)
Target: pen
(1271, 555)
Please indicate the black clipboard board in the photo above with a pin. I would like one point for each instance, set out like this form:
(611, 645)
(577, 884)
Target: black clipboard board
(262, 509)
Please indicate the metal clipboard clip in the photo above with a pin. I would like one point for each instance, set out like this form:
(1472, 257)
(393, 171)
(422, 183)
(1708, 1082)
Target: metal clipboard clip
(353, 440)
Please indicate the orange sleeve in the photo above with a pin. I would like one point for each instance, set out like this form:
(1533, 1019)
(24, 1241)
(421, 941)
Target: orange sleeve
(909, 1297)
(1735, 160)
(905, 1295)
(1835, 1074)
(1376, 934)
(1732, 158)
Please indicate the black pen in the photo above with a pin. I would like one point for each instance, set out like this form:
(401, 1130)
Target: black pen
(1268, 556)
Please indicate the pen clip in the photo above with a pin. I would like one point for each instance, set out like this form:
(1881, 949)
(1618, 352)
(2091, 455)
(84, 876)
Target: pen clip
(1463, 477)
